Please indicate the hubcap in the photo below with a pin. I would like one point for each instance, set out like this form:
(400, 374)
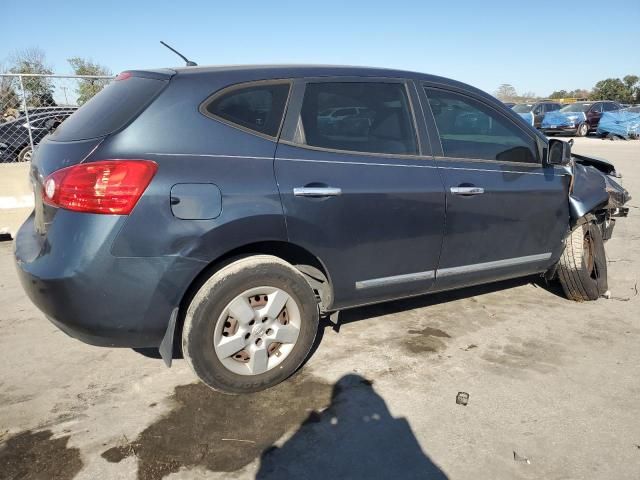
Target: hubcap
(257, 330)
(27, 156)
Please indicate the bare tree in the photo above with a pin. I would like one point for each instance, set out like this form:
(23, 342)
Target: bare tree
(39, 90)
(506, 93)
(9, 99)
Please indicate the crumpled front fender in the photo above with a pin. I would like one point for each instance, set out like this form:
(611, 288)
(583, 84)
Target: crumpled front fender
(589, 191)
(593, 187)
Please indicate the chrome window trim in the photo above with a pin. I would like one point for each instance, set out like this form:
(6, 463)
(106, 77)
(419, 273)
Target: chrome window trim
(347, 162)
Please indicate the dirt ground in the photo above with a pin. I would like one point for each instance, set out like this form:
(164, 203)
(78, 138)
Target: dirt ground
(553, 386)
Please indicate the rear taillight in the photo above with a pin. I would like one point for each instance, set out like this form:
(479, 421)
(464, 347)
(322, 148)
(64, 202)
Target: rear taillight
(108, 186)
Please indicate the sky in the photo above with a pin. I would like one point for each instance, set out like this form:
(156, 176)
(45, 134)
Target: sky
(535, 46)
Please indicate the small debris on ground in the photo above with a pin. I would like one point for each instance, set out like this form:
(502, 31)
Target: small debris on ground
(462, 398)
(518, 458)
(469, 347)
(607, 294)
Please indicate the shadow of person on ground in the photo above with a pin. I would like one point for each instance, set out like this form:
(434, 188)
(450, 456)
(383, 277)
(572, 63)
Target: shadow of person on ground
(355, 437)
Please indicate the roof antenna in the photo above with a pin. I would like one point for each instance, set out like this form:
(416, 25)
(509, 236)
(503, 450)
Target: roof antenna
(188, 62)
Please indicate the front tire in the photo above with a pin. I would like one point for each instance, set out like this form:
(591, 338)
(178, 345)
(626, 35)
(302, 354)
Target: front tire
(250, 326)
(582, 269)
(25, 154)
(583, 130)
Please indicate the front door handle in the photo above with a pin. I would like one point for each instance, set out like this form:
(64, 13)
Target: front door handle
(317, 192)
(467, 190)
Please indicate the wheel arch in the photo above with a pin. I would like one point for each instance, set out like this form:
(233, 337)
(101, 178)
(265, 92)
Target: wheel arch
(312, 268)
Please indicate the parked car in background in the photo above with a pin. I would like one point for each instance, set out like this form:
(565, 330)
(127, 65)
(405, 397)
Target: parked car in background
(534, 112)
(509, 104)
(578, 118)
(624, 123)
(213, 208)
(15, 145)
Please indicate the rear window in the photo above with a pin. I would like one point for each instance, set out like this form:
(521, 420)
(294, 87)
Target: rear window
(257, 107)
(118, 103)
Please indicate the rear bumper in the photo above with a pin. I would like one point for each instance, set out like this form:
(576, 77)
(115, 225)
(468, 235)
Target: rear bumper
(91, 295)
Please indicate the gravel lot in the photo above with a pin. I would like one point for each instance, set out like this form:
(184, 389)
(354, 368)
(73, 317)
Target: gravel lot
(553, 385)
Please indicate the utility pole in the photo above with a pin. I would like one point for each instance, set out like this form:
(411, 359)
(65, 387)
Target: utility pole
(64, 89)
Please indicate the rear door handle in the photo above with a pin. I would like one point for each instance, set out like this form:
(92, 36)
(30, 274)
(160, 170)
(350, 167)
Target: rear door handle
(467, 190)
(317, 192)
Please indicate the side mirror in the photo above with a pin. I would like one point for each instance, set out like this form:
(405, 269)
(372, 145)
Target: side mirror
(559, 152)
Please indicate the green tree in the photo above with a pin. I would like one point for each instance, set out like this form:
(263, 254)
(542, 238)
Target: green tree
(612, 89)
(632, 82)
(38, 90)
(559, 94)
(88, 87)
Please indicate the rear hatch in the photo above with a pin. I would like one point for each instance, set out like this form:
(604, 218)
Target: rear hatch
(73, 142)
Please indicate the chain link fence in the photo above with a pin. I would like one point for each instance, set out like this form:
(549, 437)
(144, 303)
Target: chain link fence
(33, 105)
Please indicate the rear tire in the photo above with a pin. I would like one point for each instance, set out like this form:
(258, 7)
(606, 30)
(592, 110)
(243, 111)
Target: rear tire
(582, 269)
(234, 323)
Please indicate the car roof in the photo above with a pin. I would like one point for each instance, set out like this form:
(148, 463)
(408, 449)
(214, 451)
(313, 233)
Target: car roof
(307, 70)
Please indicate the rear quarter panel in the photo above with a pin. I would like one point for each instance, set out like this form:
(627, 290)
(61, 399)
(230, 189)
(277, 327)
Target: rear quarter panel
(191, 148)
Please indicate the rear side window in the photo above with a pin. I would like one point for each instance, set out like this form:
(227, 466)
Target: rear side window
(360, 117)
(117, 103)
(256, 107)
(470, 129)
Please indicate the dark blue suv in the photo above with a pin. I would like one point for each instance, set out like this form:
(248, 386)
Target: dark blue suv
(224, 209)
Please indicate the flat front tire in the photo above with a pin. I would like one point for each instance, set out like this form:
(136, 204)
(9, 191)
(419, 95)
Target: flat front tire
(582, 269)
(250, 326)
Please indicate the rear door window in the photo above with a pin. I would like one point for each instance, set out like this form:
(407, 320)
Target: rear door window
(470, 129)
(257, 107)
(117, 104)
(369, 117)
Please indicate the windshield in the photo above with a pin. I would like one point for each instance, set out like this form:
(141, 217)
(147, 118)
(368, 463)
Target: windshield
(522, 108)
(576, 107)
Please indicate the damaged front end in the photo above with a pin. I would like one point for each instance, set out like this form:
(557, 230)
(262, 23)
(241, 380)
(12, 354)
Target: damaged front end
(595, 193)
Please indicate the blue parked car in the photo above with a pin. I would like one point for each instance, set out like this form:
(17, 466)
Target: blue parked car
(578, 118)
(534, 112)
(213, 208)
